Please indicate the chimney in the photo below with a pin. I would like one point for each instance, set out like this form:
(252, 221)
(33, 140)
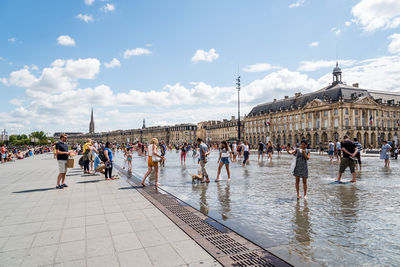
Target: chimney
(232, 118)
(355, 85)
(286, 96)
(297, 94)
(274, 99)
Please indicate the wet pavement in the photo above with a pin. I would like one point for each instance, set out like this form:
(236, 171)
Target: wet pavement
(339, 224)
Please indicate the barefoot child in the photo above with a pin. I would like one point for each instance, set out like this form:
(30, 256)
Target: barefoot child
(301, 168)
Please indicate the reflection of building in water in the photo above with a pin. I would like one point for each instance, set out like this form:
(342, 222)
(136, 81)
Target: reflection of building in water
(327, 114)
(224, 198)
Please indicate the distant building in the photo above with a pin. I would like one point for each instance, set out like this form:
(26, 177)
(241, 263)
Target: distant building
(91, 124)
(217, 131)
(327, 114)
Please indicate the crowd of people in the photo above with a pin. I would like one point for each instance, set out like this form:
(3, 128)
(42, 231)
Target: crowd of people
(98, 157)
(12, 153)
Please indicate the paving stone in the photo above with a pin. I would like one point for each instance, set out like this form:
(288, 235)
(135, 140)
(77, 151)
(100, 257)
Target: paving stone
(174, 234)
(96, 231)
(70, 251)
(40, 256)
(137, 256)
(99, 246)
(151, 238)
(73, 234)
(52, 225)
(164, 256)
(47, 238)
(121, 228)
(115, 217)
(190, 251)
(143, 225)
(125, 242)
(75, 222)
(104, 261)
(18, 242)
(96, 219)
(75, 263)
(12, 258)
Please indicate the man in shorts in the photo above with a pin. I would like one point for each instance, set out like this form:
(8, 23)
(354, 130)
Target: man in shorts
(203, 159)
(349, 152)
(62, 158)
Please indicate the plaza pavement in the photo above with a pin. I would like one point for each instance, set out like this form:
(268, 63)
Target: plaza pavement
(93, 222)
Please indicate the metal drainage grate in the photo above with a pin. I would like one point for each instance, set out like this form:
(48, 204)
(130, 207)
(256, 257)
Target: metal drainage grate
(214, 234)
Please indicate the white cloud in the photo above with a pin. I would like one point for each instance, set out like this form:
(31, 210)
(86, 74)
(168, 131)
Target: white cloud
(313, 44)
(202, 55)
(296, 4)
(394, 46)
(113, 63)
(347, 23)
(136, 52)
(89, 2)
(376, 14)
(108, 8)
(61, 76)
(260, 67)
(12, 39)
(84, 17)
(336, 31)
(65, 40)
(16, 102)
(314, 65)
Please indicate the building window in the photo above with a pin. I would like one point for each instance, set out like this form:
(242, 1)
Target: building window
(326, 123)
(309, 115)
(356, 122)
(346, 111)
(325, 113)
(335, 112)
(387, 114)
(346, 122)
(318, 124)
(336, 123)
(309, 124)
(291, 127)
(302, 125)
(356, 112)
(296, 126)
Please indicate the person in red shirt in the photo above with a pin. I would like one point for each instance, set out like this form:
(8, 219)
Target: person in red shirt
(3, 153)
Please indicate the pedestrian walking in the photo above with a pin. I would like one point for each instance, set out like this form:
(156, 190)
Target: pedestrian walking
(246, 152)
(385, 153)
(270, 150)
(234, 151)
(359, 149)
(302, 155)
(184, 150)
(338, 150)
(223, 159)
(349, 152)
(204, 152)
(261, 147)
(62, 159)
(331, 150)
(154, 158)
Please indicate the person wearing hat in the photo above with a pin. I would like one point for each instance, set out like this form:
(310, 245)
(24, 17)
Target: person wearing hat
(62, 159)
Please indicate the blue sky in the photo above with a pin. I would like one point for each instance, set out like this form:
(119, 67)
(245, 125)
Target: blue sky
(176, 61)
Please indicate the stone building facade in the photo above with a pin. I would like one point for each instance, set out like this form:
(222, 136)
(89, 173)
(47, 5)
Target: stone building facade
(217, 131)
(327, 114)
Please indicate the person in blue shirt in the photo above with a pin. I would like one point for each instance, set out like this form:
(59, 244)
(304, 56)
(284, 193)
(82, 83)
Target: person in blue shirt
(109, 163)
(385, 153)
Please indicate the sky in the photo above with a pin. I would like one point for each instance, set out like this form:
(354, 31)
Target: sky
(171, 62)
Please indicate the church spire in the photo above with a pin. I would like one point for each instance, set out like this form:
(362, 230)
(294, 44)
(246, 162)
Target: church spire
(91, 125)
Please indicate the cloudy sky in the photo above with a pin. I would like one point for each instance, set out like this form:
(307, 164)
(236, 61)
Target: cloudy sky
(176, 61)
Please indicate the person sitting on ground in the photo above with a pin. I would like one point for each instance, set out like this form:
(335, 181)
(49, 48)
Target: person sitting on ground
(101, 168)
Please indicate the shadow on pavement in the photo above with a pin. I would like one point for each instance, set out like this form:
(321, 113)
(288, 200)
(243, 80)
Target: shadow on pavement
(130, 187)
(35, 190)
(88, 182)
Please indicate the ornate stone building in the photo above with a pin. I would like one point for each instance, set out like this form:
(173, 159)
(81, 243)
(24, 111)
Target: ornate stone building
(217, 131)
(327, 114)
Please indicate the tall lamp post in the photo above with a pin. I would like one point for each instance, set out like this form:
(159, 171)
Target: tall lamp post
(238, 88)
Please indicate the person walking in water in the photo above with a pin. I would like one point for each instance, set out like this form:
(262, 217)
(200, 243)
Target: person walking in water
(246, 152)
(349, 152)
(331, 150)
(152, 162)
(223, 159)
(204, 152)
(359, 149)
(270, 150)
(302, 155)
(184, 150)
(385, 153)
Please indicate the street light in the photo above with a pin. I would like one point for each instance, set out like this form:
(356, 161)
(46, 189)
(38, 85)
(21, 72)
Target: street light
(238, 88)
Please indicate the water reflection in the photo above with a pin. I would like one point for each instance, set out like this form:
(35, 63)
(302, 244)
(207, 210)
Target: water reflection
(302, 226)
(224, 200)
(201, 189)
